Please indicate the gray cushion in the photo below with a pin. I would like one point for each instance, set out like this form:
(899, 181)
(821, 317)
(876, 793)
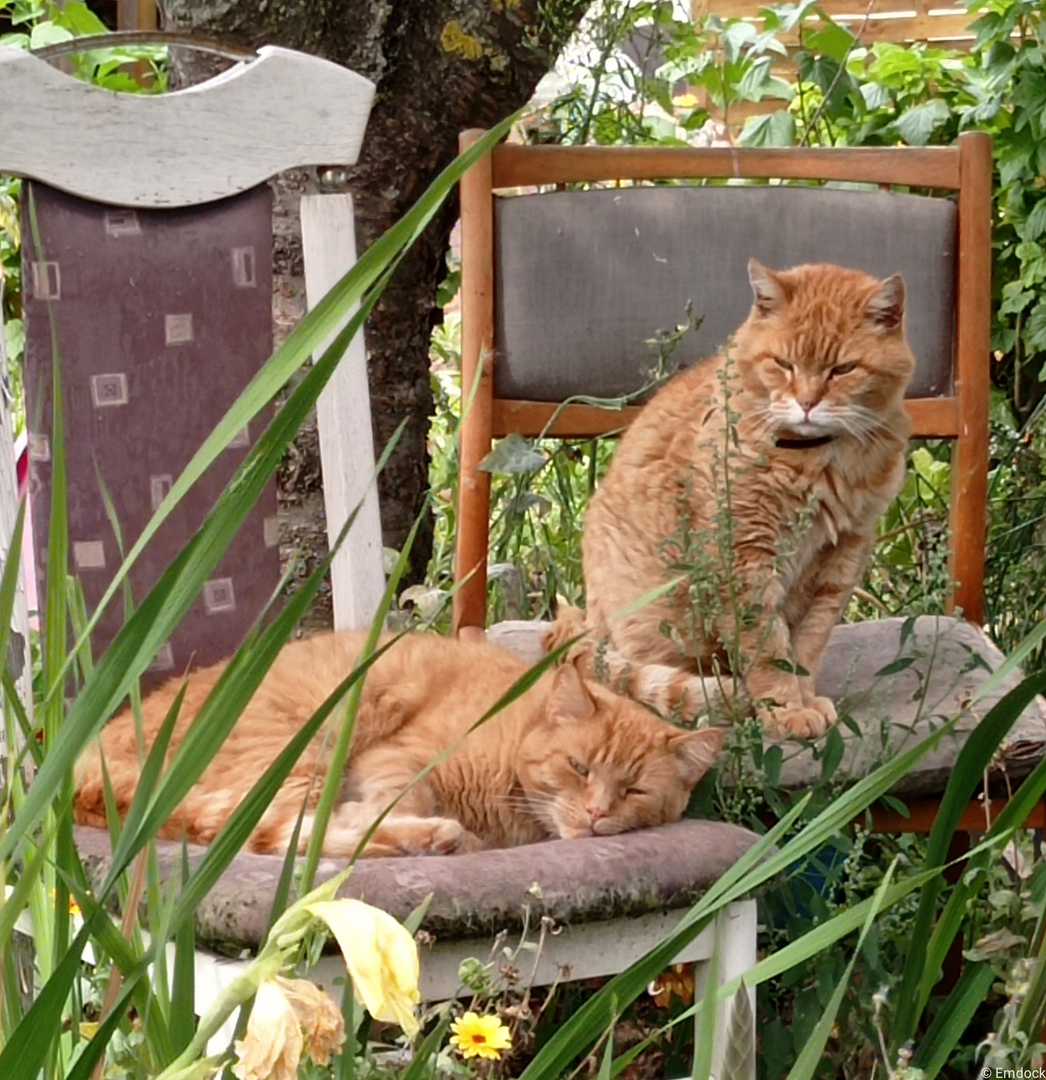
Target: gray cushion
(474, 895)
(585, 278)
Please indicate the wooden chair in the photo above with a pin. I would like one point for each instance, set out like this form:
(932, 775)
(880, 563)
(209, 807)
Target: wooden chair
(562, 288)
(114, 177)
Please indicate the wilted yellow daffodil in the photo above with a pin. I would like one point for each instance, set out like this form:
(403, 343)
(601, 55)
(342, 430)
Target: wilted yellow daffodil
(480, 1036)
(290, 1017)
(273, 1044)
(320, 1018)
(381, 956)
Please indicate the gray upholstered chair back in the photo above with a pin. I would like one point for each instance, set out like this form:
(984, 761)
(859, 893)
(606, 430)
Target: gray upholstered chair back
(561, 292)
(585, 280)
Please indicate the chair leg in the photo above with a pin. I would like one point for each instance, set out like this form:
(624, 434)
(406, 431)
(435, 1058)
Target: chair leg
(736, 930)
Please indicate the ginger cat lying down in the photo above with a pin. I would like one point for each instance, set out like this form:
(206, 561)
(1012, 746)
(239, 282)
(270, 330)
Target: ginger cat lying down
(813, 452)
(566, 759)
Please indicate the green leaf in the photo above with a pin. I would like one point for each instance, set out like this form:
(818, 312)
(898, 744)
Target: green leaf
(902, 663)
(774, 129)
(953, 1018)
(773, 758)
(1034, 333)
(917, 124)
(809, 1058)
(513, 455)
(1035, 224)
(834, 748)
(829, 38)
(973, 760)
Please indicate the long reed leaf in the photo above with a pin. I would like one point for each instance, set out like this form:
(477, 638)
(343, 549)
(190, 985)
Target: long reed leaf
(970, 766)
(952, 1019)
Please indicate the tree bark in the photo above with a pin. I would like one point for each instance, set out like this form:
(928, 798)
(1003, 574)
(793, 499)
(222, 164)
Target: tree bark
(440, 66)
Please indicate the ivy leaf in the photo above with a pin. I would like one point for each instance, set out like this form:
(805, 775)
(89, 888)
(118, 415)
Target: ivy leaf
(513, 455)
(1029, 92)
(1035, 225)
(876, 96)
(831, 39)
(757, 83)
(735, 37)
(1015, 298)
(774, 129)
(917, 124)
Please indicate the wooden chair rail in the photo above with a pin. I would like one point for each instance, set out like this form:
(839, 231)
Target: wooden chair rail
(528, 166)
(931, 418)
(965, 168)
(977, 817)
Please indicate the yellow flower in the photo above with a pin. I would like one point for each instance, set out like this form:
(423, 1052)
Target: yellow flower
(290, 1017)
(480, 1036)
(318, 1016)
(381, 956)
(273, 1044)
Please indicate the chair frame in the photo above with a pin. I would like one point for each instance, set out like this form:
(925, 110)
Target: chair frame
(965, 169)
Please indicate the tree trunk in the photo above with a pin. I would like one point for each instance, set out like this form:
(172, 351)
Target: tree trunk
(440, 66)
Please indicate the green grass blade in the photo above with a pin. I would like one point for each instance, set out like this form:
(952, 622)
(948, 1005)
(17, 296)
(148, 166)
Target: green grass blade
(162, 609)
(152, 768)
(704, 1044)
(84, 1065)
(183, 983)
(9, 578)
(974, 758)
(1012, 817)
(223, 706)
(420, 1067)
(31, 1042)
(759, 864)
(340, 752)
(809, 1059)
(953, 1018)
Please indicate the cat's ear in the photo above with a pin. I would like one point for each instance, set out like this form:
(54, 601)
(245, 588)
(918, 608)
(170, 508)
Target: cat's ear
(767, 288)
(569, 700)
(886, 305)
(697, 750)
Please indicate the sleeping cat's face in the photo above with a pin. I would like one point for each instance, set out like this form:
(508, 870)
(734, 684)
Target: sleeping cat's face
(823, 350)
(599, 764)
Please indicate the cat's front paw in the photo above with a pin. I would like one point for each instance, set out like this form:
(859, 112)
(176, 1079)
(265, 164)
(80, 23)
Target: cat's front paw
(427, 836)
(808, 721)
(825, 706)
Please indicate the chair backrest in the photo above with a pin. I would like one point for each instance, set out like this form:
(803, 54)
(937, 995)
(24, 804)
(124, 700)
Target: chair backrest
(562, 288)
(147, 262)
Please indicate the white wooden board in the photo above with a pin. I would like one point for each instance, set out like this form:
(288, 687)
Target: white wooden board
(343, 419)
(279, 111)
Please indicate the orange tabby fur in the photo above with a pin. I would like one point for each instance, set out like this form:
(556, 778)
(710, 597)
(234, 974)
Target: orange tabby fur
(822, 353)
(565, 759)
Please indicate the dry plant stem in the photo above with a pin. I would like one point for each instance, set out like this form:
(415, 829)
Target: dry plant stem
(812, 126)
(130, 915)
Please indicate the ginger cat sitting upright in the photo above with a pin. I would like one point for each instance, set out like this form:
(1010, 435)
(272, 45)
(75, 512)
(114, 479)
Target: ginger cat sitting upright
(565, 759)
(815, 379)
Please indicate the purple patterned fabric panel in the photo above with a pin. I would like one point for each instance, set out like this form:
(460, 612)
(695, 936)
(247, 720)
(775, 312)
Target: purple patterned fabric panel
(162, 318)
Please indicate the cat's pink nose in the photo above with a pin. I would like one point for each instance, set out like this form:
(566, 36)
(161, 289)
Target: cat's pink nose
(596, 813)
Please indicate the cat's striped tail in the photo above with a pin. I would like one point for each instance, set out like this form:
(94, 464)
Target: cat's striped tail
(672, 691)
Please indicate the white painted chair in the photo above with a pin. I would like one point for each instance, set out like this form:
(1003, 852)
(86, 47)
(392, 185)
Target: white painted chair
(146, 157)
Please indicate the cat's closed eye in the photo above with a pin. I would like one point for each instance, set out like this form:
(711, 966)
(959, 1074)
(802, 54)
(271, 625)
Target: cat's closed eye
(636, 792)
(576, 765)
(785, 365)
(842, 369)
